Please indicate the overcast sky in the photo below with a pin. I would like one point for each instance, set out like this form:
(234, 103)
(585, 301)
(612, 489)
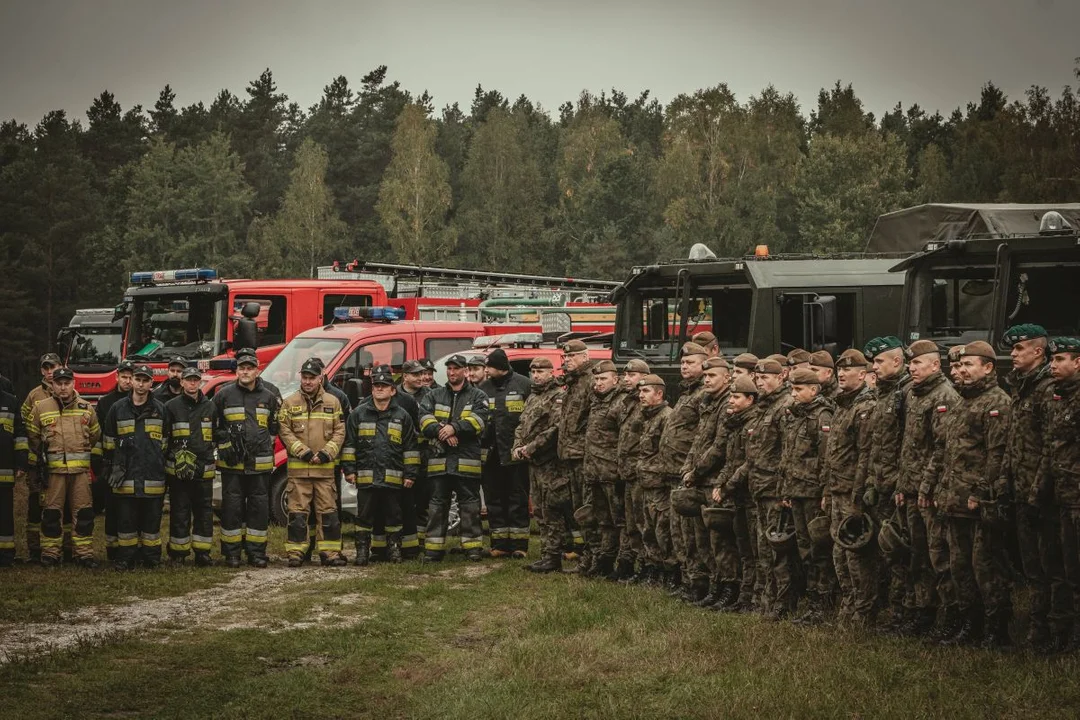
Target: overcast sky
(61, 54)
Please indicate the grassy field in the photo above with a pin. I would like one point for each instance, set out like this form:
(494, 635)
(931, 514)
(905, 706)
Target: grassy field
(459, 640)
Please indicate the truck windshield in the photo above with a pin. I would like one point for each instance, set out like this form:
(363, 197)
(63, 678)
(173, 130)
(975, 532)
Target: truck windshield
(284, 370)
(649, 320)
(191, 326)
(96, 346)
(952, 303)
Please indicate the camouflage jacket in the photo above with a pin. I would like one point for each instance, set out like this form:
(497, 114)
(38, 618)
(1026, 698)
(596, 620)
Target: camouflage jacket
(760, 471)
(650, 470)
(886, 433)
(629, 433)
(975, 439)
(602, 438)
(1031, 398)
(806, 432)
(922, 457)
(847, 448)
(537, 429)
(707, 452)
(574, 417)
(681, 427)
(735, 436)
(1061, 445)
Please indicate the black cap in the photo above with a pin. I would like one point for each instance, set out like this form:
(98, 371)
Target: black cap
(247, 355)
(144, 370)
(316, 360)
(191, 372)
(428, 364)
(497, 359)
(182, 362)
(382, 375)
(412, 366)
(50, 359)
(125, 366)
(63, 373)
(477, 361)
(310, 367)
(458, 360)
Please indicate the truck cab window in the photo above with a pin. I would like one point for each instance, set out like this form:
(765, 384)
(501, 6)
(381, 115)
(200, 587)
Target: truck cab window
(270, 323)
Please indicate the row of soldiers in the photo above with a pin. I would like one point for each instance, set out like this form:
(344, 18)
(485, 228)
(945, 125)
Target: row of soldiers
(790, 478)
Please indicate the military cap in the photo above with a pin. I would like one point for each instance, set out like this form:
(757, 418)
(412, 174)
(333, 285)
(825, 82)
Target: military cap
(177, 360)
(778, 358)
(638, 366)
(310, 368)
(716, 362)
(246, 356)
(703, 338)
(191, 372)
(746, 360)
(541, 363)
(65, 373)
(143, 370)
(881, 344)
(605, 366)
(798, 355)
(692, 348)
(955, 352)
(476, 361)
(822, 359)
(125, 366)
(851, 358)
(457, 360)
(921, 347)
(769, 367)
(1020, 333)
(412, 366)
(427, 363)
(979, 349)
(50, 359)
(651, 380)
(1064, 345)
(574, 346)
(382, 375)
(804, 376)
(744, 386)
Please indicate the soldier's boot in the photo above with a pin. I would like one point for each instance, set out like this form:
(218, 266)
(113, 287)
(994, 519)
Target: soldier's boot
(727, 597)
(673, 582)
(814, 613)
(712, 596)
(695, 592)
(997, 631)
(1057, 640)
(604, 567)
(919, 622)
(897, 617)
(393, 549)
(644, 573)
(623, 569)
(546, 564)
(1038, 633)
(363, 549)
(948, 627)
(971, 628)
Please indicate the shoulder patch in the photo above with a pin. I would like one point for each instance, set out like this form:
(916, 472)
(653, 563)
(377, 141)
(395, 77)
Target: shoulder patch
(994, 413)
(941, 408)
(1056, 396)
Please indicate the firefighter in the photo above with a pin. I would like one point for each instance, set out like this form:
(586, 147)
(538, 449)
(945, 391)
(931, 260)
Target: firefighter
(247, 423)
(383, 459)
(505, 479)
(429, 373)
(13, 453)
(171, 387)
(475, 370)
(63, 431)
(35, 473)
(135, 439)
(313, 433)
(191, 419)
(346, 408)
(412, 385)
(122, 390)
(453, 418)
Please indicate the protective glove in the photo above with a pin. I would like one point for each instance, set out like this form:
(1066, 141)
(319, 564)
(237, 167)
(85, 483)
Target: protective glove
(324, 458)
(306, 457)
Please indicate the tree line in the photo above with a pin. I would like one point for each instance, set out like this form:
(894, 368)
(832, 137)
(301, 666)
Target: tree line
(258, 186)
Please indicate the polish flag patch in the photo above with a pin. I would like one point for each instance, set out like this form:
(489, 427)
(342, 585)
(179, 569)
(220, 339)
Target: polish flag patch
(825, 428)
(942, 408)
(1057, 397)
(994, 413)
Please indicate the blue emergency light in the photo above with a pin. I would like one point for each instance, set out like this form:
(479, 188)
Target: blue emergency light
(166, 276)
(368, 313)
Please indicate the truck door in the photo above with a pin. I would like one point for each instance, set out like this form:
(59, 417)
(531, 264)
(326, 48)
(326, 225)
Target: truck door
(813, 321)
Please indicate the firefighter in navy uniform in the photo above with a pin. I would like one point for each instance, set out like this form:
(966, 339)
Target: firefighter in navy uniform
(189, 464)
(63, 432)
(247, 423)
(383, 459)
(35, 475)
(313, 433)
(171, 387)
(135, 439)
(102, 489)
(412, 388)
(505, 480)
(13, 454)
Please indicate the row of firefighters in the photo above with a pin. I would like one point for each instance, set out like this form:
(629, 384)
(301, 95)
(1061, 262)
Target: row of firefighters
(852, 485)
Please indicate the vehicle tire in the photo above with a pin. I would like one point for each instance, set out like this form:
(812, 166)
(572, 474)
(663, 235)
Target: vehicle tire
(279, 497)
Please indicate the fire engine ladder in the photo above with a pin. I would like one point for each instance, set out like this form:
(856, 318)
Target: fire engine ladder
(421, 273)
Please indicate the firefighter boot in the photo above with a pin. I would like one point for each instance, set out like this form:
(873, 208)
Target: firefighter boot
(363, 549)
(393, 548)
(202, 558)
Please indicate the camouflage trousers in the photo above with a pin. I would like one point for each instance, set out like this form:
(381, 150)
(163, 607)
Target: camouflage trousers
(928, 576)
(856, 572)
(630, 546)
(1070, 556)
(734, 553)
(1038, 531)
(979, 565)
(602, 538)
(768, 511)
(553, 505)
(892, 577)
(656, 528)
(816, 563)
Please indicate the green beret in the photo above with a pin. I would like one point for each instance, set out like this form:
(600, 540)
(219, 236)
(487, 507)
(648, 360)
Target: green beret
(1064, 345)
(1020, 333)
(881, 344)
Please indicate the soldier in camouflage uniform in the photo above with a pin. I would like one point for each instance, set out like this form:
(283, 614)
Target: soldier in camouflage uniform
(971, 493)
(535, 440)
(703, 464)
(927, 402)
(675, 443)
(760, 473)
(630, 546)
(806, 429)
(847, 463)
(573, 421)
(652, 477)
(602, 470)
(886, 438)
(822, 363)
(1059, 477)
(1038, 522)
(954, 364)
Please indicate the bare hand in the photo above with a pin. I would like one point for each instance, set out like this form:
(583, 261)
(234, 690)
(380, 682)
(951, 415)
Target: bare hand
(898, 498)
(924, 501)
(716, 495)
(972, 503)
(408, 483)
(688, 480)
(786, 503)
(452, 441)
(351, 479)
(446, 432)
(824, 504)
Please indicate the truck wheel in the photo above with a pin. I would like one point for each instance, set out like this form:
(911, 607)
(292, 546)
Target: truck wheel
(279, 498)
